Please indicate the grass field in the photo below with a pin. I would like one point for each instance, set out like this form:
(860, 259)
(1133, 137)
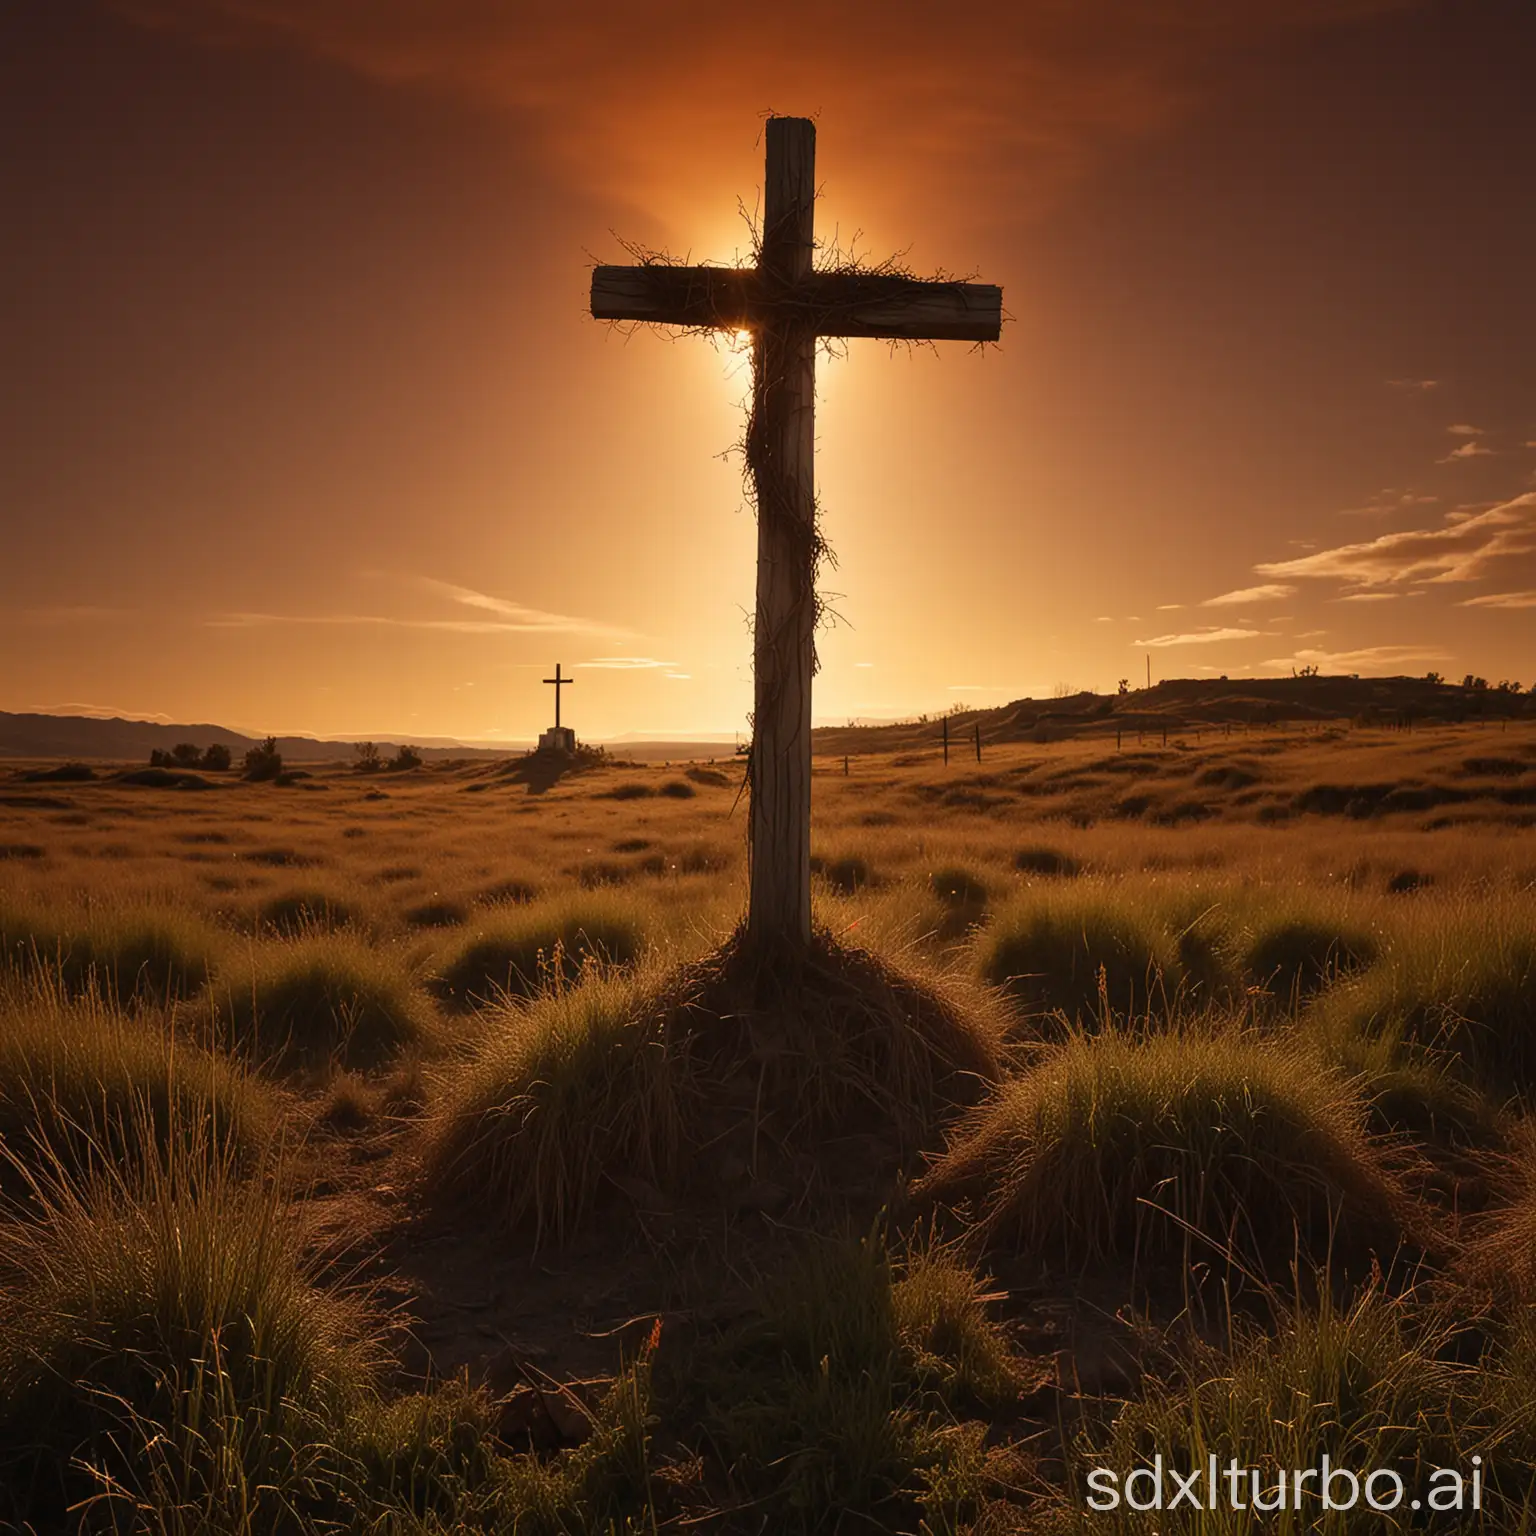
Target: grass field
(415, 1152)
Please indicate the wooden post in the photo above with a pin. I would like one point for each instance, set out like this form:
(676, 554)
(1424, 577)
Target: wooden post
(781, 443)
(946, 741)
(978, 741)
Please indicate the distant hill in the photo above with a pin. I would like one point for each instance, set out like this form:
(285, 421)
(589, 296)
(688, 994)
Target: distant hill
(79, 736)
(1184, 704)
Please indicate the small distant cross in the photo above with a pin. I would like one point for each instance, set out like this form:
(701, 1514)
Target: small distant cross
(557, 683)
(786, 305)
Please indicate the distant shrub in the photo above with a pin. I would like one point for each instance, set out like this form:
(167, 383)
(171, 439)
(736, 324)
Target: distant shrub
(710, 776)
(216, 757)
(64, 773)
(264, 762)
(405, 759)
(317, 1000)
(677, 789)
(630, 791)
(186, 754)
(368, 759)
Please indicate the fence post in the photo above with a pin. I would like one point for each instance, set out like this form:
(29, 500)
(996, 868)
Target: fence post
(978, 741)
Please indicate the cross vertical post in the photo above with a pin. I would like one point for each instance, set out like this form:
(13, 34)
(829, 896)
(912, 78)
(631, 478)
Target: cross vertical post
(781, 446)
(558, 683)
(787, 305)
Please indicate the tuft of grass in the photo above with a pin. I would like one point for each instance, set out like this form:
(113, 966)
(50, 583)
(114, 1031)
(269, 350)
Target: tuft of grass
(521, 951)
(1176, 1146)
(677, 789)
(1076, 953)
(683, 1077)
(127, 952)
(164, 1350)
(293, 913)
(1376, 1384)
(1294, 955)
(85, 1086)
(844, 875)
(327, 998)
(440, 913)
(575, 1088)
(1040, 860)
(1464, 990)
(824, 1413)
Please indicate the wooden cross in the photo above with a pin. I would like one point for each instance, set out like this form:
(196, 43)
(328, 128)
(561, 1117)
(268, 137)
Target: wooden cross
(558, 683)
(787, 305)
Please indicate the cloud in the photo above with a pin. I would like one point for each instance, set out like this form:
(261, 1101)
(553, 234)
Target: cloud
(627, 664)
(1501, 600)
(522, 618)
(1169, 607)
(595, 91)
(1466, 451)
(1274, 592)
(1380, 659)
(1387, 501)
(1416, 384)
(509, 618)
(1461, 429)
(1103, 618)
(1368, 597)
(1463, 549)
(101, 712)
(1200, 637)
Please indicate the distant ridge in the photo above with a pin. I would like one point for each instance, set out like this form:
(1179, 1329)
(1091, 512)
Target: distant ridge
(1184, 704)
(114, 740)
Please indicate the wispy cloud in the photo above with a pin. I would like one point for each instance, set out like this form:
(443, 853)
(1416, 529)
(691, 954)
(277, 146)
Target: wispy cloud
(1169, 607)
(1368, 597)
(506, 617)
(1469, 450)
(520, 615)
(1387, 501)
(627, 664)
(1464, 549)
(1371, 658)
(1501, 600)
(1245, 596)
(101, 712)
(1464, 429)
(1414, 384)
(1201, 637)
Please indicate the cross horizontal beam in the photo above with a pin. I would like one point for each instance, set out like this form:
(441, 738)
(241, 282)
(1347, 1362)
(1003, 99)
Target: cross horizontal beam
(853, 304)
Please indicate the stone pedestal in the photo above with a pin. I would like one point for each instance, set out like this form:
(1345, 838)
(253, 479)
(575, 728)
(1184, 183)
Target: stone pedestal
(558, 738)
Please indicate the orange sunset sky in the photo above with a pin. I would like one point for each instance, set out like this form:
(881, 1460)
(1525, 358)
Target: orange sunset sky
(304, 425)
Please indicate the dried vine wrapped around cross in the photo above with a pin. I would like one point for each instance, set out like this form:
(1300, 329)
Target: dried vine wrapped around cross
(787, 305)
